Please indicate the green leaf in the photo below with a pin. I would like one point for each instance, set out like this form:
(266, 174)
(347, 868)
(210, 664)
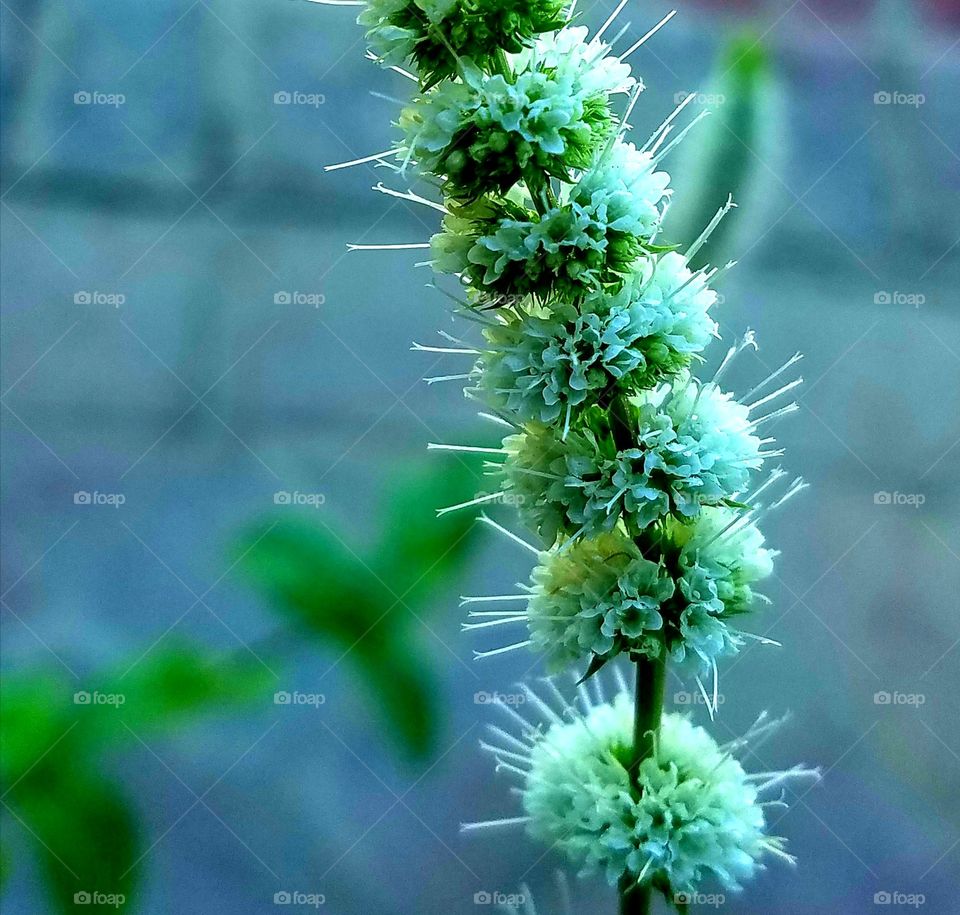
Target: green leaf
(418, 551)
(85, 834)
(723, 155)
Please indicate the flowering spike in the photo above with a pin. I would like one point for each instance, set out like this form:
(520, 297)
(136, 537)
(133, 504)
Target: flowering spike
(636, 474)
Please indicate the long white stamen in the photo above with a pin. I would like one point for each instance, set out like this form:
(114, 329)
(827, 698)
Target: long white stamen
(711, 226)
(362, 161)
(502, 621)
(783, 411)
(776, 474)
(371, 56)
(486, 519)
(403, 247)
(763, 640)
(339, 2)
(610, 19)
(409, 195)
(436, 379)
(499, 420)
(472, 449)
(749, 339)
(496, 597)
(793, 360)
(775, 394)
(489, 497)
(423, 348)
(509, 739)
(639, 42)
(676, 111)
(545, 709)
(493, 824)
(679, 138)
(500, 751)
(480, 655)
(706, 698)
(797, 486)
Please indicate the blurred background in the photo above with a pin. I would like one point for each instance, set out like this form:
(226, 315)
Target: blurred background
(233, 670)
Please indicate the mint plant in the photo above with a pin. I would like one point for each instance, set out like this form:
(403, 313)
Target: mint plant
(636, 477)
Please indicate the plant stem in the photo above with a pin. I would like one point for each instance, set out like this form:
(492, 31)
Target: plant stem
(648, 710)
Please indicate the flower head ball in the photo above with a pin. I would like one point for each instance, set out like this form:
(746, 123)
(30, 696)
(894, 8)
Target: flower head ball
(542, 364)
(591, 240)
(549, 114)
(692, 814)
(597, 597)
(435, 34)
(690, 445)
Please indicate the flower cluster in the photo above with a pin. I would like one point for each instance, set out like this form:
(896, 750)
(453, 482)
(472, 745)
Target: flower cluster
(541, 363)
(547, 115)
(591, 240)
(690, 812)
(437, 34)
(690, 445)
(599, 596)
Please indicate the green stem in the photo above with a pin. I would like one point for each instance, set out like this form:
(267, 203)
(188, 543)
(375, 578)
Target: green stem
(648, 711)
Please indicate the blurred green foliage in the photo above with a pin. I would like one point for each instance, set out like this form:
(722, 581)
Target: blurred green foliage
(727, 153)
(60, 744)
(367, 602)
(57, 742)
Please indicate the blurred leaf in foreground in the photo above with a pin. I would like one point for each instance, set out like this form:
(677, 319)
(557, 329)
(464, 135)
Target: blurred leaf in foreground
(56, 739)
(366, 602)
